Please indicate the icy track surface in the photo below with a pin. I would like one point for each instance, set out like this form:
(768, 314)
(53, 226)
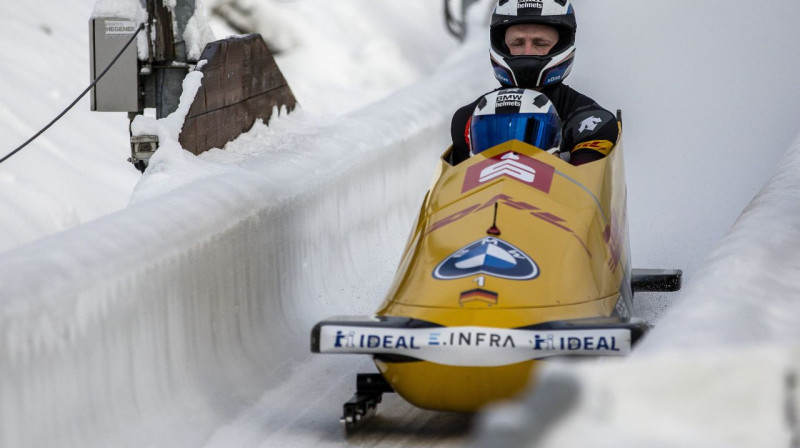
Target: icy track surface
(183, 320)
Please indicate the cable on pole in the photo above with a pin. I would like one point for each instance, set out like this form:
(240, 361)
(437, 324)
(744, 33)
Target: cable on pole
(100, 76)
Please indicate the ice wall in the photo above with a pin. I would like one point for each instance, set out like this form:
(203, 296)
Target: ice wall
(194, 302)
(720, 369)
(154, 325)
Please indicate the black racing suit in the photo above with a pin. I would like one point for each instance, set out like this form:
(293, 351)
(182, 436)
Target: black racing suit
(589, 131)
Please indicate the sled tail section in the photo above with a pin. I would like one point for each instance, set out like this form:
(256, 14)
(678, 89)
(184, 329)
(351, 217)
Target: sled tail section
(656, 280)
(398, 339)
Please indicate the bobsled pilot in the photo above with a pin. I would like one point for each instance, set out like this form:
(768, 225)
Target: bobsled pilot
(532, 46)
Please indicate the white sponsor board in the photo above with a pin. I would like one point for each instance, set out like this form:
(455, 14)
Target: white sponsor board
(474, 346)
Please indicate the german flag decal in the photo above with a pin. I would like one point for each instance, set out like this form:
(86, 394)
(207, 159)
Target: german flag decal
(478, 295)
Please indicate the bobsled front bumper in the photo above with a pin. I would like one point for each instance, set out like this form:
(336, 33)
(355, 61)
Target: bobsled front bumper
(398, 339)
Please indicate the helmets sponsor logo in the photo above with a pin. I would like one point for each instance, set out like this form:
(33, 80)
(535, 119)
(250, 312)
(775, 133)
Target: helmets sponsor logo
(490, 256)
(529, 4)
(512, 100)
(515, 166)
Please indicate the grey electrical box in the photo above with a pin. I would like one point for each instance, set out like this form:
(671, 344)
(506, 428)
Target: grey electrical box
(118, 91)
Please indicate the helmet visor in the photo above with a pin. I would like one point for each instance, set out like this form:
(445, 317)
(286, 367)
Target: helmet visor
(538, 129)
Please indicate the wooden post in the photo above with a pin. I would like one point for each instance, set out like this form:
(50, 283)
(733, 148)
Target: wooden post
(160, 18)
(241, 82)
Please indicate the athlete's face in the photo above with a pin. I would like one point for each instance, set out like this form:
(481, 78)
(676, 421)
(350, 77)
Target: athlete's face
(530, 39)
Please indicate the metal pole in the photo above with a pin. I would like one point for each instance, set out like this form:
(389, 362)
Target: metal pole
(184, 10)
(170, 53)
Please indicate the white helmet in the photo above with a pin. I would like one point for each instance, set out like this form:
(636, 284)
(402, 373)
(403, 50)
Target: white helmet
(532, 71)
(515, 114)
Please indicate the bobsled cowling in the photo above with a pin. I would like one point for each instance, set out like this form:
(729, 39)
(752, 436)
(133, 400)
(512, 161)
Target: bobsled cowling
(516, 257)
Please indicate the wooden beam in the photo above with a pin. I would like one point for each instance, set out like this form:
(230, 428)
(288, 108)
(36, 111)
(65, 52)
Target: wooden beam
(241, 83)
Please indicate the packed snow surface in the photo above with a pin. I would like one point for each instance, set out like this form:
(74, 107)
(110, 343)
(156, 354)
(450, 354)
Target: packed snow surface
(175, 310)
(338, 57)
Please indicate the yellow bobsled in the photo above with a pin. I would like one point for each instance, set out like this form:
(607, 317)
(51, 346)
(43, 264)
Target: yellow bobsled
(516, 257)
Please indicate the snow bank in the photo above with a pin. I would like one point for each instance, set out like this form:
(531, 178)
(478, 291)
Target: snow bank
(156, 324)
(198, 33)
(723, 399)
(747, 292)
(720, 370)
(121, 9)
(77, 170)
(168, 129)
(338, 56)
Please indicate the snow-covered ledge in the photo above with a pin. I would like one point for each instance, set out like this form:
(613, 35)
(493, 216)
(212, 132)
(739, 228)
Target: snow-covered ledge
(721, 369)
(153, 325)
(188, 305)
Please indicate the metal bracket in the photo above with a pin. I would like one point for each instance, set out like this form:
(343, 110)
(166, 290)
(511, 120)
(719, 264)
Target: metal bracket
(142, 148)
(370, 388)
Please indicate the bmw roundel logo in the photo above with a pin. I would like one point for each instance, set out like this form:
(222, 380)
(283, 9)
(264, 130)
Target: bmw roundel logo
(490, 256)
